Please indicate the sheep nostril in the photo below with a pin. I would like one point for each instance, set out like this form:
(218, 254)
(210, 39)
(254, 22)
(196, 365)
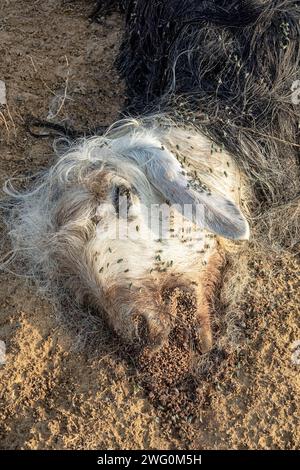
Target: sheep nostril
(158, 329)
(151, 330)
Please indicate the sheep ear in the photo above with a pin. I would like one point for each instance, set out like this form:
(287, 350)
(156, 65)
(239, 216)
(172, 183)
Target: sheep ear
(210, 210)
(223, 217)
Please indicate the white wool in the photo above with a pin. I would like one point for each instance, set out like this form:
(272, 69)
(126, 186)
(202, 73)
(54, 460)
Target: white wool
(72, 240)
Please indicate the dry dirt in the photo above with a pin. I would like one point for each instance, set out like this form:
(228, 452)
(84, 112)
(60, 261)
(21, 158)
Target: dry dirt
(56, 396)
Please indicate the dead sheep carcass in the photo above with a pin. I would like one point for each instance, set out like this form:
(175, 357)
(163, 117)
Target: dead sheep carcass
(123, 217)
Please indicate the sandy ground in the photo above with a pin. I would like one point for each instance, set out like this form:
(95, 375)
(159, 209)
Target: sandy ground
(56, 396)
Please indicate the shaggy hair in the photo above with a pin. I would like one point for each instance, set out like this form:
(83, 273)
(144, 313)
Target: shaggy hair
(212, 124)
(79, 240)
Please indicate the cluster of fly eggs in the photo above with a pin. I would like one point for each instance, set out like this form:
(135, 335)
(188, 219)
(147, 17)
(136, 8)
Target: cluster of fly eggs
(190, 232)
(161, 265)
(187, 240)
(195, 183)
(186, 232)
(183, 163)
(118, 261)
(285, 29)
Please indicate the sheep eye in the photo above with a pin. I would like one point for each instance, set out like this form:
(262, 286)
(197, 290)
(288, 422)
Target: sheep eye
(122, 199)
